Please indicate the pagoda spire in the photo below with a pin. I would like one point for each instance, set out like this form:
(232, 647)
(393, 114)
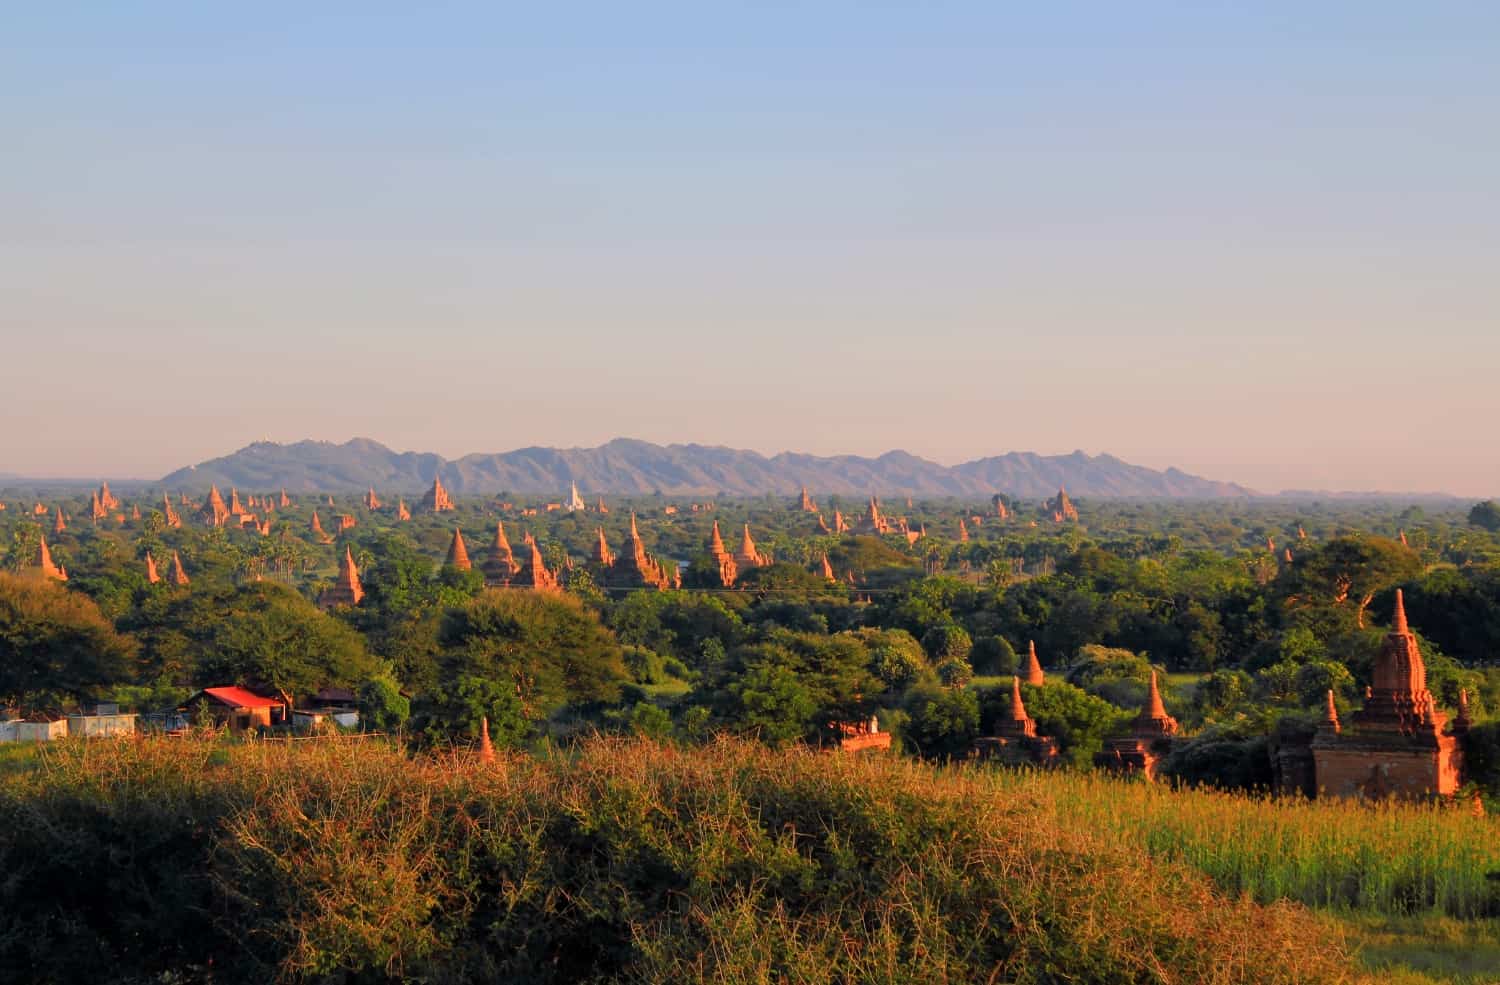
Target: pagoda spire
(1154, 705)
(152, 575)
(1461, 721)
(179, 576)
(59, 525)
(486, 748)
(716, 541)
(458, 554)
(1330, 716)
(1398, 618)
(49, 568)
(827, 569)
(1017, 706)
(1034, 675)
(602, 553)
(348, 586)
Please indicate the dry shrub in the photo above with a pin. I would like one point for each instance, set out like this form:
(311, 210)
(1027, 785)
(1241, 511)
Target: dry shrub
(619, 860)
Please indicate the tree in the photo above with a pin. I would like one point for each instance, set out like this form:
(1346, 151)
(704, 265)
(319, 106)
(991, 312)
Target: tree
(947, 641)
(382, 707)
(771, 701)
(1349, 571)
(895, 657)
(549, 648)
(943, 722)
(993, 655)
(1486, 515)
(456, 711)
(265, 634)
(54, 640)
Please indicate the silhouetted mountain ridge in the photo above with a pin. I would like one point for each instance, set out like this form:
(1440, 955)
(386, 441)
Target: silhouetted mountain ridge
(627, 466)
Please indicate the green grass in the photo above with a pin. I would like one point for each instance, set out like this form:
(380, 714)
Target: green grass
(1389, 859)
(1421, 950)
(668, 689)
(17, 758)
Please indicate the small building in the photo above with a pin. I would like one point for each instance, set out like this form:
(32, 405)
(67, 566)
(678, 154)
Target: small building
(317, 719)
(104, 723)
(861, 736)
(237, 707)
(22, 731)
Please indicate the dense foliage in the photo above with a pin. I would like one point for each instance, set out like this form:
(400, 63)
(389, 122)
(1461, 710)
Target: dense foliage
(1252, 610)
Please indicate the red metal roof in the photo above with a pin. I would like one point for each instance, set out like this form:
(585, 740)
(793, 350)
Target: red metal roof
(241, 698)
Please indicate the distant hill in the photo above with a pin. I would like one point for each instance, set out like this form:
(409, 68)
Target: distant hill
(625, 467)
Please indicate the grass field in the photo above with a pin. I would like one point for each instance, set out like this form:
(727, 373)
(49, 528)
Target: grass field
(729, 863)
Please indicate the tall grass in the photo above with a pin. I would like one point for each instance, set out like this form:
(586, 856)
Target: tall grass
(614, 861)
(1389, 858)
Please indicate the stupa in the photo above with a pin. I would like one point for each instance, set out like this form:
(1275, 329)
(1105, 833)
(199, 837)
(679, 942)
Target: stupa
(1397, 745)
(437, 499)
(1149, 741)
(213, 511)
(499, 564)
(1015, 740)
(458, 554)
(44, 565)
(1061, 507)
(346, 589)
(534, 573)
(179, 575)
(635, 568)
(1033, 668)
(728, 570)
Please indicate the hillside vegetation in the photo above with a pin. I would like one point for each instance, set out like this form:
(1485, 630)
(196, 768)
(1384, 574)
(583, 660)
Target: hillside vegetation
(618, 861)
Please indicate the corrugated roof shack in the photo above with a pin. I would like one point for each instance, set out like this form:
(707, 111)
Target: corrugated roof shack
(236, 707)
(17, 731)
(100, 726)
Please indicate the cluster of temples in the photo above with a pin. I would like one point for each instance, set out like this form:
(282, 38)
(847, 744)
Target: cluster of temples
(635, 567)
(499, 566)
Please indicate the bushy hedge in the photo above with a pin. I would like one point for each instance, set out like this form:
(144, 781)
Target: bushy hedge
(615, 861)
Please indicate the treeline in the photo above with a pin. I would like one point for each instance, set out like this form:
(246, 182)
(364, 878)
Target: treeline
(920, 635)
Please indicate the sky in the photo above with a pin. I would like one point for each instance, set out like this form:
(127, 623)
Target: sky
(1259, 242)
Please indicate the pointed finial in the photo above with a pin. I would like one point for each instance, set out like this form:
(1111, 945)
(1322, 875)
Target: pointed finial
(1398, 620)
(1331, 713)
(1034, 673)
(1017, 708)
(1155, 706)
(486, 750)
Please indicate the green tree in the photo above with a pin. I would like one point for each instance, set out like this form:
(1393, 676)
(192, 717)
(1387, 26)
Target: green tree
(265, 634)
(57, 641)
(943, 722)
(549, 648)
(1486, 515)
(455, 711)
(382, 707)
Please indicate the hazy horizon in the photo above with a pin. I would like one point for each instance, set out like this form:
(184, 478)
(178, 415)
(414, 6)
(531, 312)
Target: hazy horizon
(1257, 245)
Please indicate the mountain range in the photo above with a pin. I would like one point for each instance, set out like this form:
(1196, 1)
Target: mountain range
(629, 467)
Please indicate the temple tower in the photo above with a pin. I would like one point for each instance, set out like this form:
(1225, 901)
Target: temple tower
(1397, 745)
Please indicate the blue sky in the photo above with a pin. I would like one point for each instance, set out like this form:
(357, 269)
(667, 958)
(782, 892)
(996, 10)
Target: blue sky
(1257, 241)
